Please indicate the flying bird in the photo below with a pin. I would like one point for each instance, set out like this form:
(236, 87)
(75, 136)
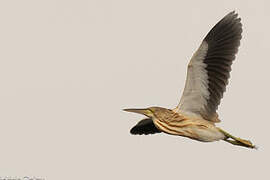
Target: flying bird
(207, 76)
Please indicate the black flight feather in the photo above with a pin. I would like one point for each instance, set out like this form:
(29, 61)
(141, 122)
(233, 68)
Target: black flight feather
(145, 126)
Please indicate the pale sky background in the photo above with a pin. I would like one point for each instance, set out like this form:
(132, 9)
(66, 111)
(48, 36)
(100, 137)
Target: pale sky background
(67, 68)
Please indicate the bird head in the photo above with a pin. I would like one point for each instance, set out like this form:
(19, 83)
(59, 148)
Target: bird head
(150, 112)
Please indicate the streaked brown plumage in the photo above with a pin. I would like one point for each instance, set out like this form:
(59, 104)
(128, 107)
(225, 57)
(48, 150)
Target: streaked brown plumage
(207, 77)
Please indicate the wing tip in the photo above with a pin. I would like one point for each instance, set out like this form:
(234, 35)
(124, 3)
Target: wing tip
(145, 126)
(233, 17)
(230, 22)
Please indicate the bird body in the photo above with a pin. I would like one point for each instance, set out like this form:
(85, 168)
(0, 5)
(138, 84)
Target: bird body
(174, 123)
(194, 128)
(207, 76)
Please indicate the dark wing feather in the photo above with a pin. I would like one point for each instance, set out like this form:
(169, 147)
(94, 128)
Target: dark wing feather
(145, 126)
(223, 41)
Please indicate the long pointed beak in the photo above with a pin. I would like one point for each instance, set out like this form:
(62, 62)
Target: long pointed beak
(145, 112)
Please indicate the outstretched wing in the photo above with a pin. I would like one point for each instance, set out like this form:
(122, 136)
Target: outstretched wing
(145, 126)
(209, 69)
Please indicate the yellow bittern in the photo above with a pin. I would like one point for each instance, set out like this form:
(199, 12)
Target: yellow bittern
(207, 76)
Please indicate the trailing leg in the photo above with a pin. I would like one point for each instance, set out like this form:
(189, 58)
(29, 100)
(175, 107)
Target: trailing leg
(237, 141)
